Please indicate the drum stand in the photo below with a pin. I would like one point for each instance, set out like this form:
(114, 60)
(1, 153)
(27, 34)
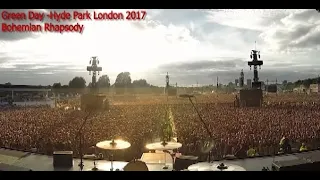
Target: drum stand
(111, 169)
(81, 137)
(113, 143)
(165, 161)
(94, 160)
(94, 166)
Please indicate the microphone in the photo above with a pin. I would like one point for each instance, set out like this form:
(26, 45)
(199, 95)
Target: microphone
(186, 95)
(207, 145)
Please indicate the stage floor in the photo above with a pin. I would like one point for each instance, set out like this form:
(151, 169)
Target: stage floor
(11, 159)
(37, 162)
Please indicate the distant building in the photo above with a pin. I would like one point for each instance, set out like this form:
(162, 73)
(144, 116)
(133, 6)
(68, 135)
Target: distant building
(25, 95)
(314, 88)
(241, 79)
(300, 89)
(236, 82)
(249, 83)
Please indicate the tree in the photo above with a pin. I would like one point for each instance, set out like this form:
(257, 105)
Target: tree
(140, 83)
(8, 84)
(307, 82)
(230, 84)
(230, 87)
(318, 10)
(122, 82)
(77, 82)
(56, 85)
(297, 83)
(104, 81)
(285, 82)
(289, 86)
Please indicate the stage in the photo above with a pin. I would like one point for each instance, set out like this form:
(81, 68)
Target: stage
(11, 160)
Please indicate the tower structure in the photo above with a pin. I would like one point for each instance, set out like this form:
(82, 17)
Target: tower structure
(253, 97)
(236, 82)
(94, 101)
(170, 90)
(255, 56)
(217, 81)
(241, 79)
(95, 69)
(249, 83)
(167, 80)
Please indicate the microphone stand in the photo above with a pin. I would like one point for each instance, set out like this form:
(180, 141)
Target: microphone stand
(80, 134)
(204, 124)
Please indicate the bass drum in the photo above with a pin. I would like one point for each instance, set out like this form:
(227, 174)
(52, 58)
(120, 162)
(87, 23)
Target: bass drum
(183, 162)
(136, 165)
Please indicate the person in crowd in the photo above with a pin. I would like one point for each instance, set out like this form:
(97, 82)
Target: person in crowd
(303, 147)
(251, 152)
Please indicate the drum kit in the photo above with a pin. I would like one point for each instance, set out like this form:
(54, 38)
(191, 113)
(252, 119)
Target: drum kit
(112, 145)
(137, 165)
(164, 146)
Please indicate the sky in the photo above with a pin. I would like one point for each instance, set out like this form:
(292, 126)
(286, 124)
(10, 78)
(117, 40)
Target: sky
(193, 46)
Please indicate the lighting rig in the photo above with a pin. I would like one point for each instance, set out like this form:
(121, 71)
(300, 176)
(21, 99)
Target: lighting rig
(95, 69)
(255, 56)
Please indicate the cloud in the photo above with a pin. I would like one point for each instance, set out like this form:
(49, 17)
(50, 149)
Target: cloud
(298, 31)
(203, 65)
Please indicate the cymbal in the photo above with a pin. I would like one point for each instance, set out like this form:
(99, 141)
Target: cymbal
(113, 145)
(164, 146)
(216, 166)
(194, 158)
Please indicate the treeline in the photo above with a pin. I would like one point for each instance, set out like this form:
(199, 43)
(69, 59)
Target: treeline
(123, 84)
(306, 82)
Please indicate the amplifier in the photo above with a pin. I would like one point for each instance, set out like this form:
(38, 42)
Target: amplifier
(296, 165)
(62, 158)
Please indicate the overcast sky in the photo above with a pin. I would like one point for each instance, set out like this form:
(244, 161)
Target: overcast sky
(192, 45)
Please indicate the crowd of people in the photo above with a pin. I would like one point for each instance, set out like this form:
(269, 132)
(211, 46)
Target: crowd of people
(50, 129)
(235, 130)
